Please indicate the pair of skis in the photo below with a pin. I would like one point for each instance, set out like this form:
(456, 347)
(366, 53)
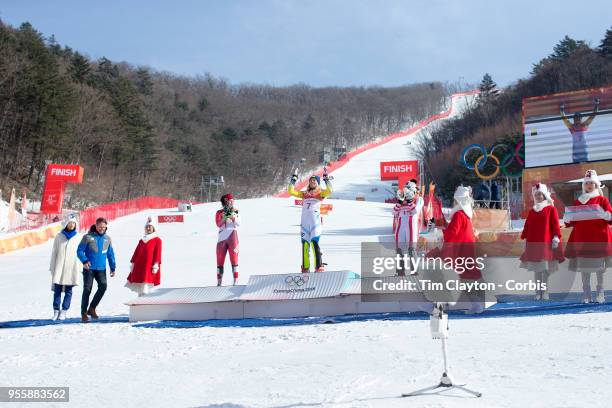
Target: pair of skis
(326, 176)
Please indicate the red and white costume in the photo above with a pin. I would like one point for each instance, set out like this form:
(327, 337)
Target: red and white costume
(589, 247)
(460, 242)
(228, 238)
(407, 217)
(145, 270)
(459, 238)
(542, 232)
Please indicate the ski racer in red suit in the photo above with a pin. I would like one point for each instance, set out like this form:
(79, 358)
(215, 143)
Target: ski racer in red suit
(228, 221)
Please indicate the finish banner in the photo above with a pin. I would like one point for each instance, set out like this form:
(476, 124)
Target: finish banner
(56, 177)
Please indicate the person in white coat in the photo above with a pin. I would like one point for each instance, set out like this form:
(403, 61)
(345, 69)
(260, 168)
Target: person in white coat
(65, 267)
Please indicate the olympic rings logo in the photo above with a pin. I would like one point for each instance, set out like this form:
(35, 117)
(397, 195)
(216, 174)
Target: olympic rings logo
(296, 280)
(508, 153)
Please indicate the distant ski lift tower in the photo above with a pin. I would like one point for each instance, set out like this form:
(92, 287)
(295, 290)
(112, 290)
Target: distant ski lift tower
(207, 183)
(339, 148)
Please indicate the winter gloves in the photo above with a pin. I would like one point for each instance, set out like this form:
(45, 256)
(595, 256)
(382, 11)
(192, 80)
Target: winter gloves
(294, 179)
(154, 269)
(229, 212)
(555, 242)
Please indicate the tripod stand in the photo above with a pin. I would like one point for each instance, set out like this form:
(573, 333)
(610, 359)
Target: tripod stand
(439, 330)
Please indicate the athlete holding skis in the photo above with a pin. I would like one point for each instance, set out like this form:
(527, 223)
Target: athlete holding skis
(310, 225)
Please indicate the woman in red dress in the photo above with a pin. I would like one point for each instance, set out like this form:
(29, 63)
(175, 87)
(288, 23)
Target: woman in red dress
(145, 270)
(589, 247)
(543, 251)
(459, 242)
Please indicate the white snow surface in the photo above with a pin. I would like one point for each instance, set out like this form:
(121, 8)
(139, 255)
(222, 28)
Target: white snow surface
(538, 361)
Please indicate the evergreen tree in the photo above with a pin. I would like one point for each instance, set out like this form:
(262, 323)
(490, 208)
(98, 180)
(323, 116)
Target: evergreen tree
(143, 81)
(566, 47)
(79, 68)
(53, 45)
(605, 47)
(488, 89)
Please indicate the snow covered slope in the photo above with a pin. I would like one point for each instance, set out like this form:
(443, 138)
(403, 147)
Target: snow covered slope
(514, 361)
(361, 176)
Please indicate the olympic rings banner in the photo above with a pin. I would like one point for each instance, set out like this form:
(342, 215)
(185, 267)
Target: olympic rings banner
(571, 127)
(503, 158)
(170, 218)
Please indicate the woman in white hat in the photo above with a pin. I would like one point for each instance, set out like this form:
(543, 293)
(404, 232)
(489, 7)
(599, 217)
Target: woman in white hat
(65, 266)
(542, 233)
(145, 269)
(589, 247)
(459, 245)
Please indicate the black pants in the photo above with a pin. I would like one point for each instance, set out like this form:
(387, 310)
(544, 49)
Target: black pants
(88, 277)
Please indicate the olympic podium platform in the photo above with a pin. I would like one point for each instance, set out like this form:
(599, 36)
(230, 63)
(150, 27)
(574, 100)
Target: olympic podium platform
(333, 293)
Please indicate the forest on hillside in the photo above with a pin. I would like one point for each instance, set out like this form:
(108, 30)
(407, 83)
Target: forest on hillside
(141, 132)
(496, 115)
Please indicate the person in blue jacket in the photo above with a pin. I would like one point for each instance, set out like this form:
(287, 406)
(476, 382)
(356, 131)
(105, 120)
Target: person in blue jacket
(94, 250)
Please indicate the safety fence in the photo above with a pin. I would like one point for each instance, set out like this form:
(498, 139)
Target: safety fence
(112, 211)
(87, 217)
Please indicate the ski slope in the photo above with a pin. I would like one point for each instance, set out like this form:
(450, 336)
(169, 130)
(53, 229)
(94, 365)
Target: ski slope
(537, 361)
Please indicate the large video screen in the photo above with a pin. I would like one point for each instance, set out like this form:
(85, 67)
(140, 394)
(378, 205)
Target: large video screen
(573, 127)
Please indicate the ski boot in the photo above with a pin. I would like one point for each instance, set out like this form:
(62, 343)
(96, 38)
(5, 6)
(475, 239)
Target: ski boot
(305, 270)
(55, 314)
(219, 275)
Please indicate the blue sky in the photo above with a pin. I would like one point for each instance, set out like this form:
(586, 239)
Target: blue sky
(320, 43)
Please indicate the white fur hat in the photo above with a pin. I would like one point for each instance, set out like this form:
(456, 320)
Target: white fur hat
(151, 223)
(591, 175)
(463, 196)
(463, 192)
(541, 187)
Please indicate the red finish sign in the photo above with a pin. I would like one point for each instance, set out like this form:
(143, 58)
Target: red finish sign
(399, 169)
(56, 177)
(170, 218)
(402, 171)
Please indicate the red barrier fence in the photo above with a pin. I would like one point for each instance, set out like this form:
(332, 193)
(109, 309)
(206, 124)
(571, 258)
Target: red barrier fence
(112, 211)
(48, 227)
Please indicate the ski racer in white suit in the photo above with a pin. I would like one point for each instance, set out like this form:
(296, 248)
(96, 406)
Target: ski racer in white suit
(407, 222)
(310, 225)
